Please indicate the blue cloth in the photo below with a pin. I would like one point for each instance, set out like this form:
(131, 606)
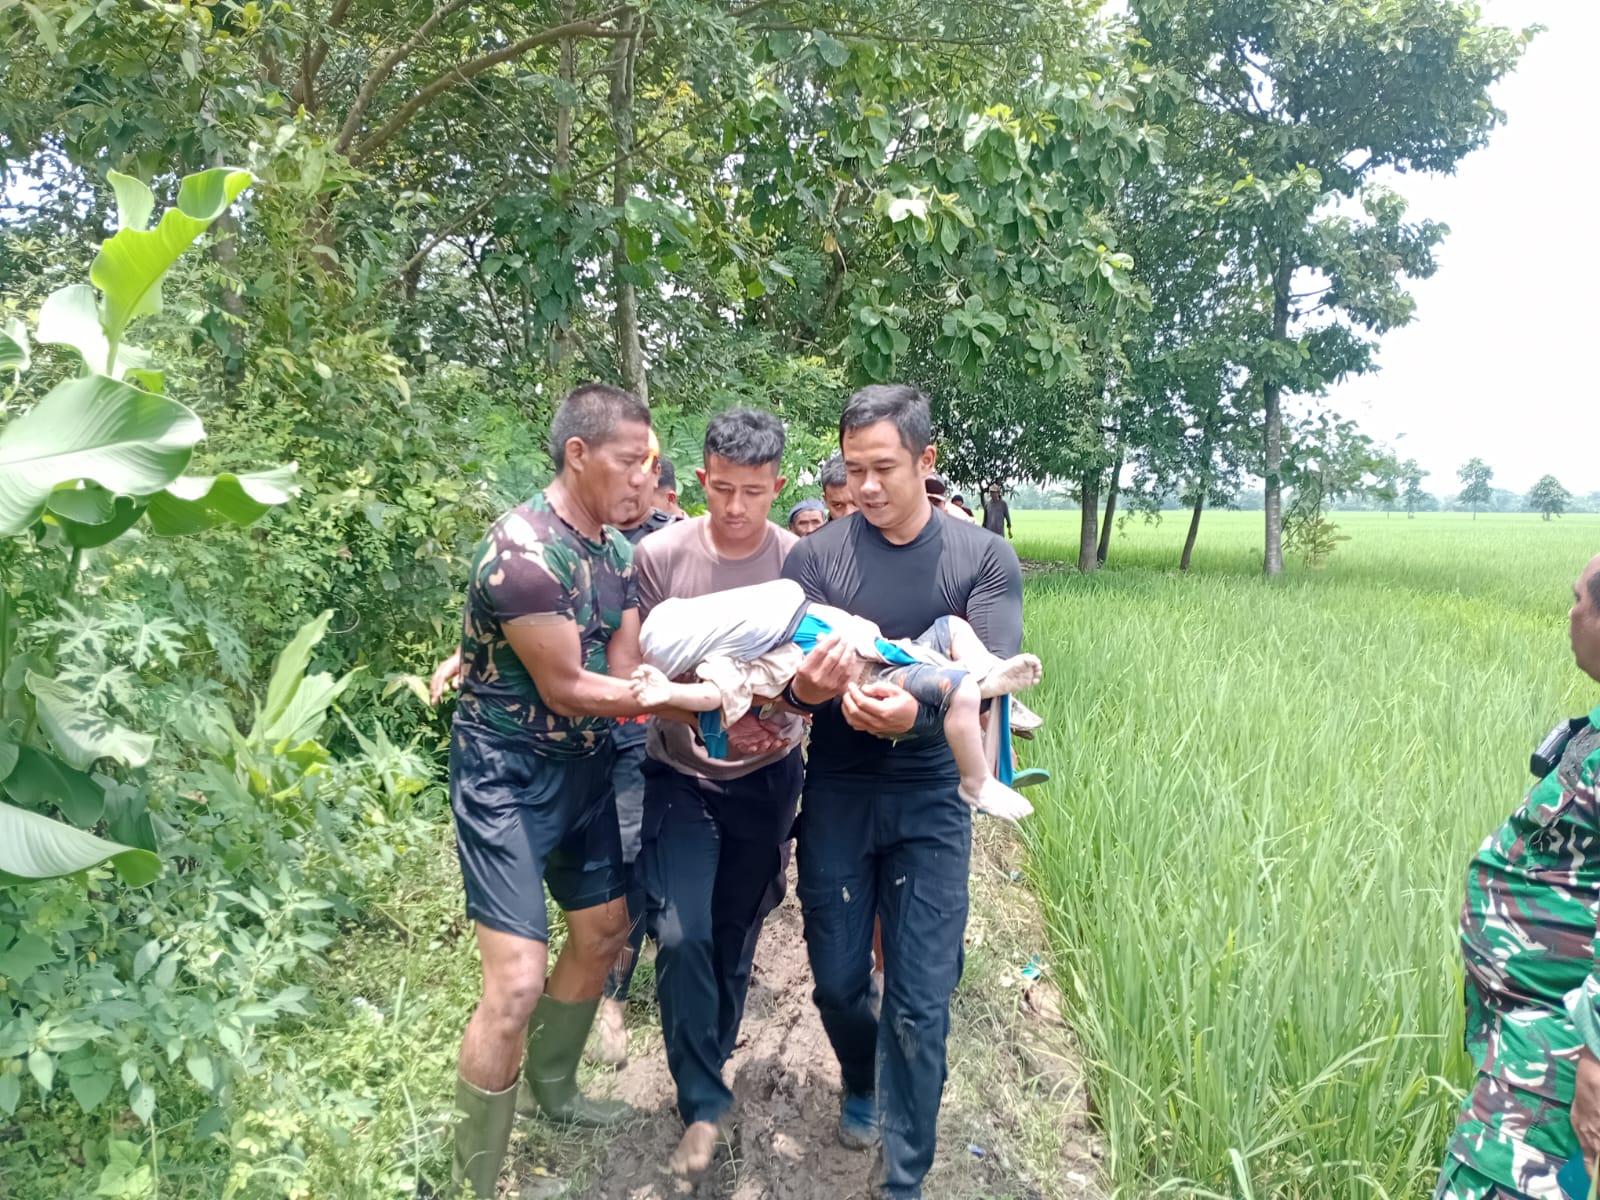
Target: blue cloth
(1001, 711)
(713, 734)
(812, 630)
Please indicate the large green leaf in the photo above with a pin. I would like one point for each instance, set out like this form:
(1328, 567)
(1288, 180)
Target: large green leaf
(35, 847)
(193, 503)
(307, 709)
(70, 317)
(89, 516)
(41, 780)
(290, 669)
(81, 734)
(13, 346)
(130, 265)
(128, 441)
(135, 200)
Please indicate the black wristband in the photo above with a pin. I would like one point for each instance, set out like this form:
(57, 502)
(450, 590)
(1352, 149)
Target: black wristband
(795, 702)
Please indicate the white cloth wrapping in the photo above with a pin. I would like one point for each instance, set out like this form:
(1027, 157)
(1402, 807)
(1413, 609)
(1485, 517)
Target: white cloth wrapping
(740, 624)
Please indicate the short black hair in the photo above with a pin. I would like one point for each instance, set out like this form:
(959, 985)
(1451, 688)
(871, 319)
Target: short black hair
(833, 473)
(669, 476)
(591, 413)
(899, 403)
(958, 498)
(746, 437)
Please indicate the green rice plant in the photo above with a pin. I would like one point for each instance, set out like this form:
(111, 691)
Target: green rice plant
(1253, 848)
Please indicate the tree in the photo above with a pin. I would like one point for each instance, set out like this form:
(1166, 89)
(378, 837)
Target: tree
(1549, 498)
(1475, 476)
(1411, 477)
(1291, 131)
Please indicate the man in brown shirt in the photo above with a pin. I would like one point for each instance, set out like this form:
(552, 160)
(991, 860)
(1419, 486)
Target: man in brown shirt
(713, 827)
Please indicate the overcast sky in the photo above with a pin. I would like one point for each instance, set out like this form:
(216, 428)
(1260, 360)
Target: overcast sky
(1496, 363)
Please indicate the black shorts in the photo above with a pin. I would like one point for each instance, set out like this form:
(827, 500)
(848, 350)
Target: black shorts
(522, 818)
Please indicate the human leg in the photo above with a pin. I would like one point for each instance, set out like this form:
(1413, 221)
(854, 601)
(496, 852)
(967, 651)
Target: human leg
(628, 780)
(509, 811)
(585, 877)
(679, 858)
(964, 734)
(837, 888)
(952, 639)
(922, 881)
(757, 815)
(491, 1048)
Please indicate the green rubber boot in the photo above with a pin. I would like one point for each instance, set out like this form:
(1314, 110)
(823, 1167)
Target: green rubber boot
(555, 1044)
(482, 1132)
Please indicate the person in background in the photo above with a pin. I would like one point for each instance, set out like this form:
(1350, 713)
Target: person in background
(960, 502)
(666, 497)
(1530, 1123)
(836, 489)
(807, 517)
(936, 488)
(996, 512)
(551, 610)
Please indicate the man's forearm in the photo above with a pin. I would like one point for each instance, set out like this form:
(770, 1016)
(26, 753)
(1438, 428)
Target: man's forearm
(590, 695)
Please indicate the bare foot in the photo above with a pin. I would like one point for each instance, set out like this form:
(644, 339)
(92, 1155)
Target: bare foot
(996, 799)
(1012, 675)
(693, 1156)
(611, 1034)
(650, 687)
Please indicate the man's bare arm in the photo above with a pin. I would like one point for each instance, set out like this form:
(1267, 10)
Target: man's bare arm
(550, 648)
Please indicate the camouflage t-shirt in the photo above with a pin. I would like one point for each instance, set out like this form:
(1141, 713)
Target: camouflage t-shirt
(1528, 932)
(531, 563)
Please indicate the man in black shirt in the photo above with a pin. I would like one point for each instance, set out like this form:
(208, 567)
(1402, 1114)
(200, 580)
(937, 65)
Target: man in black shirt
(882, 828)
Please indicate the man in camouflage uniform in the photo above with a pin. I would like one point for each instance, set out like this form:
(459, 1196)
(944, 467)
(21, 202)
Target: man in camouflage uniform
(1528, 938)
(550, 635)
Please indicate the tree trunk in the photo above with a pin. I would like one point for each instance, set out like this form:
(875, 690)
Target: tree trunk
(1194, 532)
(1088, 542)
(1111, 511)
(1272, 402)
(560, 339)
(630, 353)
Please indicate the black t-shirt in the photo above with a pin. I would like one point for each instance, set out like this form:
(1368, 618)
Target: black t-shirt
(951, 568)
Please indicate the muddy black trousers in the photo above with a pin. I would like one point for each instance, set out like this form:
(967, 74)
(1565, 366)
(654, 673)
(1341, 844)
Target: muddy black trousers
(709, 853)
(883, 847)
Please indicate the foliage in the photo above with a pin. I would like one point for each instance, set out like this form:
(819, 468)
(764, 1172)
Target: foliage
(80, 468)
(1254, 920)
(1475, 475)
(1549, 498)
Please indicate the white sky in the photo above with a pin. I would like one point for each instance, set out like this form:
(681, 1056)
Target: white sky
(1493, 363)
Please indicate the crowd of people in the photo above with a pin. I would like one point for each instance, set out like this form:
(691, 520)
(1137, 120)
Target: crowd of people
(650, 798)
(649, 805)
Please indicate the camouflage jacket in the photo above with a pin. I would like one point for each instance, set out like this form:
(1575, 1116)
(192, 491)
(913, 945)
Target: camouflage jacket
(1528, 937)
(530, 565)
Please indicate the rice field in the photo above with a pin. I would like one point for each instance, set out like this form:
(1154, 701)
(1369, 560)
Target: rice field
(1253, 847)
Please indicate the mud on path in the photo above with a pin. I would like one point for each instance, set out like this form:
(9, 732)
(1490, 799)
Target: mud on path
(1013, 1126)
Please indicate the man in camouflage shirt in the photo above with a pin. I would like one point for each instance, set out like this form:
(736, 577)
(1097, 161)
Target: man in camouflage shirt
(1531, 1121)
(550, 635)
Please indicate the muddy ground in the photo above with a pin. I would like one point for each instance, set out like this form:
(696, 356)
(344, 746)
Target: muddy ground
(1014, 1124)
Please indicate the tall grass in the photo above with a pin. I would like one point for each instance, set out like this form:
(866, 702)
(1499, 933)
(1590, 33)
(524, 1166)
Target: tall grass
(1253, 848)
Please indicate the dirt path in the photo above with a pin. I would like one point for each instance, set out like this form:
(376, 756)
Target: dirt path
(1013, 1123)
